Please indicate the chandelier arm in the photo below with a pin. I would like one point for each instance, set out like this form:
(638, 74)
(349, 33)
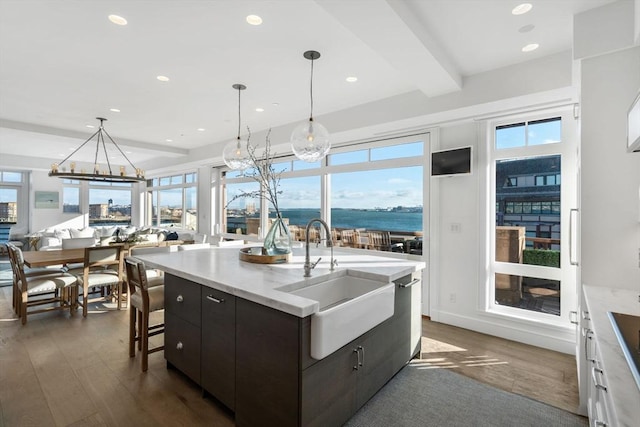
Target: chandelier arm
(95, 159)
(106, 155)
(82, 145)
(120, 150)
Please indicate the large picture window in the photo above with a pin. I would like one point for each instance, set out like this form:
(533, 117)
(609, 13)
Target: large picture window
(363, 192)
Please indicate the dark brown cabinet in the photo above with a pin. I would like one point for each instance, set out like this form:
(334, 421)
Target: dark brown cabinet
(255, 359)
(182, 325)
(218, 363)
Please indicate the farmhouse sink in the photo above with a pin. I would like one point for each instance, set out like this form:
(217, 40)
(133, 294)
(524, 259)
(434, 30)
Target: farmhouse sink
(349, 306)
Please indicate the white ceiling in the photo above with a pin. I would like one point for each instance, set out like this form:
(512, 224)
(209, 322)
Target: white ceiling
(63, 63)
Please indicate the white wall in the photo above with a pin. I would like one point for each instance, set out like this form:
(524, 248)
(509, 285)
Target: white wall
(610, 176)
(43, 218)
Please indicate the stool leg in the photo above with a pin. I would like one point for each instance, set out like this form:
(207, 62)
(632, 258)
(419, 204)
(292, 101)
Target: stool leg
(145, 341)
(140, 325)
(132, 331)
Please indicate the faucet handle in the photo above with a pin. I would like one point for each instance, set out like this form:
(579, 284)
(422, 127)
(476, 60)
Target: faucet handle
(334, 263)
(316, 263)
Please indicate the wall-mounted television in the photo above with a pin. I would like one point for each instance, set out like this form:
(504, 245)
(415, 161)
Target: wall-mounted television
(633, 126)
(455, 161)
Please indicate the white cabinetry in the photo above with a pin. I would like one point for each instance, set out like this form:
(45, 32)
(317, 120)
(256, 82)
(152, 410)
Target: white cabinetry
(599, 405)
(607, 387)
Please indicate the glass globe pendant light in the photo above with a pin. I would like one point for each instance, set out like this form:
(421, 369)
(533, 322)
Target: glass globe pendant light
(235, 154)
(310, 140)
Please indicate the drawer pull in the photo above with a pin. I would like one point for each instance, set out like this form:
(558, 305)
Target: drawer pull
(357, 365)
(214, 299)
(179, 346)
(411, 283)
(594, 372)
(180, 298)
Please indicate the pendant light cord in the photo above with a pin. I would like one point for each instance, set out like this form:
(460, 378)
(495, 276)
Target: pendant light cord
(239, 90)
(311, 91)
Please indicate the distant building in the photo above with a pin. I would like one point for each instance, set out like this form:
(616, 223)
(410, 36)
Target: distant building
(99, 210)
(8, 212)
(528, 195)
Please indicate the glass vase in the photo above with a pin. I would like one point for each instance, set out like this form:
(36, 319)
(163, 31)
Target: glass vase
(278, 239)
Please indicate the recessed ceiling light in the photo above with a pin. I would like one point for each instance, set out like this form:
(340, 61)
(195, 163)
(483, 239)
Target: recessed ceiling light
(118, 20)
(259, 109)
(115, 110)
(521, 9)
(128, 152)
(254, 20)
(526, 28)
(351, 79)
(275, 104)
(530, 47)
(201, 129)
(90, 126)
(163, 78)
(169, 140)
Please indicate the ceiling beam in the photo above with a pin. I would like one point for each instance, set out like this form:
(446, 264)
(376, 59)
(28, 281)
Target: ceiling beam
(387, 25)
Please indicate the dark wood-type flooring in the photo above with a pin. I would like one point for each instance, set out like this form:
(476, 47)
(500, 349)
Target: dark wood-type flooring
(66, 370)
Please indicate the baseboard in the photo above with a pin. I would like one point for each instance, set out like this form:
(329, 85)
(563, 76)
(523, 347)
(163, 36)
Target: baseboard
(558, 339)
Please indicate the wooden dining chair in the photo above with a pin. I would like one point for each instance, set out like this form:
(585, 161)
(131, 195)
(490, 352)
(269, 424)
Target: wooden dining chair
(146, 295)
(53, 289)
(103, 269)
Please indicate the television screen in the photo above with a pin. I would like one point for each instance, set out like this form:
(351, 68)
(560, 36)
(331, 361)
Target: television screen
(451, 162)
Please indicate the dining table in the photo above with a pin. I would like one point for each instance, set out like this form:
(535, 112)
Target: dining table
(54, 257)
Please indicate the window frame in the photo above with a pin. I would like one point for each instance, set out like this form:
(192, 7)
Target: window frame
(566, 148)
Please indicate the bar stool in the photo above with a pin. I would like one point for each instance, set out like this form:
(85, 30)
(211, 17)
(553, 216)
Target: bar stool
(146, 296)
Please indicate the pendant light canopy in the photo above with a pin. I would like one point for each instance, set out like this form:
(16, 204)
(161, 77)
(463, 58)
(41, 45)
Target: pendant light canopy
(235, 154)
(100, 171)
(310, 140)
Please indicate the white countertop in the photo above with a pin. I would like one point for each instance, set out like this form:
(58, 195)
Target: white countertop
(221, 268)
(625, 394)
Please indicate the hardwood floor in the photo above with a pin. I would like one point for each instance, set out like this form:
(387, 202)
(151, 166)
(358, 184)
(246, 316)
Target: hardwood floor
(540, 374)
(70, 371)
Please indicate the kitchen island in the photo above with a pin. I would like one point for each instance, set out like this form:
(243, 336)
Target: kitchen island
(231, 328)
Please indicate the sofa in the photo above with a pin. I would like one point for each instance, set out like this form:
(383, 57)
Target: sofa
(59, 238)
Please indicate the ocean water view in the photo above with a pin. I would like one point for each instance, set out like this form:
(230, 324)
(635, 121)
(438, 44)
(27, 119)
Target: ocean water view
(399, 221)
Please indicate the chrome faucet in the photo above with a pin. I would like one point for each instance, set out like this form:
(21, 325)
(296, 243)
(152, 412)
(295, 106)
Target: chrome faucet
(308, 266)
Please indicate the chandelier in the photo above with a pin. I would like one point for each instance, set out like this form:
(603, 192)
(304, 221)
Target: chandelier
(102, 173)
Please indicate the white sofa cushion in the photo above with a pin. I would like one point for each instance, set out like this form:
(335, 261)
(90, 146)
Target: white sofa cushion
(85, 232)
(78, 242)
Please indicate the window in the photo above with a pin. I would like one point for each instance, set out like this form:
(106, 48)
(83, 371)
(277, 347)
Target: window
(368, 187)
(534, 182)
(70, 196)
(173, 200)
(11, 192)
(526, 134)
(109, 203)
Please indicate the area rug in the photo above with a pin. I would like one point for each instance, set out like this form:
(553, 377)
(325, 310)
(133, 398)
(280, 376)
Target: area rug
(417, 396)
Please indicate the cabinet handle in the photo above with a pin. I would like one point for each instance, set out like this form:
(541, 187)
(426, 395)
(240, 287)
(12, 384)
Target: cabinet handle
(179, 298)
(362, 351)
(599, 423)
(179, 346)
(573, 317)
(214, 299)
(573, 213)
(596, 384)
(588, 337)
(585, 315)
(411, 283)
(357, 352)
